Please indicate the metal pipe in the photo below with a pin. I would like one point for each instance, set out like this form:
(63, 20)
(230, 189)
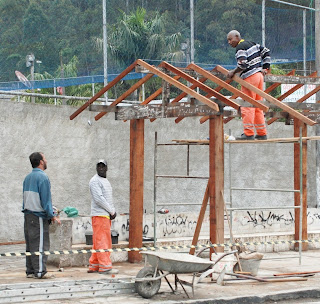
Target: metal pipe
(13, 93)
(180, 204)
(188, 160)
(301, 200)
(305, 46)
(182, 176)
(292, 4)
(105, 47)
(191, 31)
(55, 92)
(264, 208)
(263, 22)
(266, 189)
(155, 189)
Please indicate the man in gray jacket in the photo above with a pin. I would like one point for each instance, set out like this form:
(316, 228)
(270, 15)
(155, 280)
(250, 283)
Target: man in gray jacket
(102, 212)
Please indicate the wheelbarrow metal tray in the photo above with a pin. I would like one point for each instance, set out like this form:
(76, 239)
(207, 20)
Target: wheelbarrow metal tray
(175, 262)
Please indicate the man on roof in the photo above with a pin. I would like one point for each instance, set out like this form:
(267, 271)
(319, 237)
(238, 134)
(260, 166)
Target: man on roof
(253, 62)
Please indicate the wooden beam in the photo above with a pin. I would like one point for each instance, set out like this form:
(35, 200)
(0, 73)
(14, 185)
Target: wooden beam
(156, 94)
(275, 85)
(159, 111)
(216, 180)
(228, 87)
(103, 90)
(268, 97)
(179, 85)
(200, 220)
(292, 79)
(201, 85)
(136, 188)
(137, 85)
(297, 125)
(305, 97)
(286, 94)
(268, 90)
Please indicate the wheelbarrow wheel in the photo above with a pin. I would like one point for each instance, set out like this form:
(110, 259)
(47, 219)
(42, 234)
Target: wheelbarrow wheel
(147, 289)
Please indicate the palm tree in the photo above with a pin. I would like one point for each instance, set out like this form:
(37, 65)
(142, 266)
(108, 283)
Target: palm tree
(133, 37)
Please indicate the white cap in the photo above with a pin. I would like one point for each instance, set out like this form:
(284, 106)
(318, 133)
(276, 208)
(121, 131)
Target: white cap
(102, 161)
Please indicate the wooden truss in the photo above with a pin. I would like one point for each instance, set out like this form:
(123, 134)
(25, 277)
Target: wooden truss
(211, 105)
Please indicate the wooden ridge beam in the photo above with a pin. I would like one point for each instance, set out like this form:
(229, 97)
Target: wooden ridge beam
(269, 98)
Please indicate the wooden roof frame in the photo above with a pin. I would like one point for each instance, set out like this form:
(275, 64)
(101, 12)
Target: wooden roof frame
(214, 192)
(195, 83)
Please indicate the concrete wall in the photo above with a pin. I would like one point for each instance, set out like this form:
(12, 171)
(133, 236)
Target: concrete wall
(72, 148)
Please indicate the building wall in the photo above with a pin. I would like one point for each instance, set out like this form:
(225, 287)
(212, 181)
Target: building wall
(73, 147)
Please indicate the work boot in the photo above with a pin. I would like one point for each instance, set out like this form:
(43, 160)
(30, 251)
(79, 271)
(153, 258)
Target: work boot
(261, 137)
(245, 137)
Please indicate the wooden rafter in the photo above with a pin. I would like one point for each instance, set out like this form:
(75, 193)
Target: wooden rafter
(103, 90)
(268, 90)
(268, 97)
(200, 85)
(137, 85)
(179, 85)
(228, 87)
(288, 93)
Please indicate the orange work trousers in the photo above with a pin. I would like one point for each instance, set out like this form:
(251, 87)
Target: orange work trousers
(101, 239)
(253, 118)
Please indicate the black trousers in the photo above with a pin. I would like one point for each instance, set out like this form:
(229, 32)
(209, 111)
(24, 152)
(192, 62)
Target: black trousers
(36, 233)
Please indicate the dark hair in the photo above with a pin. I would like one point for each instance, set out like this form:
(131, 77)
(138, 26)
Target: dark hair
(35, 158)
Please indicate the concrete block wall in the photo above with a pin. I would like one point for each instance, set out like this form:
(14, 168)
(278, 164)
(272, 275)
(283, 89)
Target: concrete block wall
(73, 147)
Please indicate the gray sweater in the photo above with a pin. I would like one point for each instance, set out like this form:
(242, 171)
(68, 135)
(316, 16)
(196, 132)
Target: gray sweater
(101, 196)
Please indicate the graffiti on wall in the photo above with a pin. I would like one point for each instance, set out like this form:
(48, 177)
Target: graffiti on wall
(267, 219)
(177, 224)
(125, 228)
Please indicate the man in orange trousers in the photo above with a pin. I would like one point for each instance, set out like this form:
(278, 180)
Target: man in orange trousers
(102, 212)
(253, 62)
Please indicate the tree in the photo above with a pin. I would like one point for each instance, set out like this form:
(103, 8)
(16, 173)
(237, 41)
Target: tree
(133, 37)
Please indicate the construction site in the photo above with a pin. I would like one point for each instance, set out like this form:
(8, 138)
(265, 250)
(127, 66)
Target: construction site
(202, 217)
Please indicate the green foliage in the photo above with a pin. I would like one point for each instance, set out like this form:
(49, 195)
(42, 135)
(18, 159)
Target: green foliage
(134, 36)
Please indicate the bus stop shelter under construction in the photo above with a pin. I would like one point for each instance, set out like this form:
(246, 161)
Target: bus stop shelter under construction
(210, 105)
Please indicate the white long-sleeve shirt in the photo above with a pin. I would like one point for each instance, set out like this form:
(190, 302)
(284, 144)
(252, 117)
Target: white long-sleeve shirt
(101, 196)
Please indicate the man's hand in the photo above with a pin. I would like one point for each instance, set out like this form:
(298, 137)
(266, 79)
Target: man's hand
(113, 216)
(56, 219)
(230, 74)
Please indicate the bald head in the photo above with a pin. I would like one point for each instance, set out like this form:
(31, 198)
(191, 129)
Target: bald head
(233, 38)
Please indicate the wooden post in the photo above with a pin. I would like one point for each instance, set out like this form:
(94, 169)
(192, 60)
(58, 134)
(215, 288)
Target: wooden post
(136, 188)
(216, 180)
(297, 125)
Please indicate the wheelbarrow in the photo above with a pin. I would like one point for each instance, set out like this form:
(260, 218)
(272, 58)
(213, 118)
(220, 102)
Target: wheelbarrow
(148, 279)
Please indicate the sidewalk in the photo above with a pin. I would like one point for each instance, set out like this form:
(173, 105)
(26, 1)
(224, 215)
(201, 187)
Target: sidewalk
(241, 291)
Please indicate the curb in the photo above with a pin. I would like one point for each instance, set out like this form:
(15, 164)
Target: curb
(291, 295)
